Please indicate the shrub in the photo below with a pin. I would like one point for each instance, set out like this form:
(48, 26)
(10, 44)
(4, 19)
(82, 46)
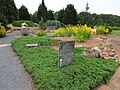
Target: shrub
(59, 32)
(2, 31)
(41, 63)
(56, 23)
(41, 33)
(114, 28)
(101, 30)
(18, 23)
(81, 33)
(3, 20)
(42, 25)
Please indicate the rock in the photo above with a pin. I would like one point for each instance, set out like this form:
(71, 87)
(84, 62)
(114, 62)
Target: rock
(101, 46)
(116, 56)
(32, 35)
(24, 31)
(112, 50)
(113, 58)
(31, 45)
(9, 31)
(112, 54)
(106, 57)
(85, 53)
(96, 52)
(105, 49)
(105, 53)
(78, 46)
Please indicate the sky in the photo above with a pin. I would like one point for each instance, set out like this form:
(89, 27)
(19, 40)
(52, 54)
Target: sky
(96, 6)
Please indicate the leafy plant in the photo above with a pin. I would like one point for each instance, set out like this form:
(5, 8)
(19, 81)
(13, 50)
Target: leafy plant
(41, 63)
(56, 23)
(2, 31)
(41, 33)
(18, 23)
(81, 33)
(42, 25)
(59, 32)
(102, 30)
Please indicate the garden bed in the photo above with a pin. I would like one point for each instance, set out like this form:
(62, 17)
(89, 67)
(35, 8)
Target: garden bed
(41, 62)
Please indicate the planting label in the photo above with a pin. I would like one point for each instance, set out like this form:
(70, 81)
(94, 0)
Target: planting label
(65, 53)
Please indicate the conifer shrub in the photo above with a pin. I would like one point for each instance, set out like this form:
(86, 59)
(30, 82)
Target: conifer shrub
(2, 31)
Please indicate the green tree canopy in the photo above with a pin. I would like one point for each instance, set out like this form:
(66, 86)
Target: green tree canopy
(61, 15)
(50, 15)
(34, 17)
(23, 13)
(42, 12)
(70, 15)
(3, 20)
(9, 10)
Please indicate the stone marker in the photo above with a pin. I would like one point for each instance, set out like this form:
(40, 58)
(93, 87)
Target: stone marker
(31, 45)
(24, 29)
(65, 53)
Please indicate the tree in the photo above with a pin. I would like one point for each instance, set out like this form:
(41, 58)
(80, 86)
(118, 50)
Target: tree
(42, 12)
(3, 20)
(61, 15)
(70, 15)
(23, 13)
(42, 25)
(85, 18)
(34, 17)
(50, 15)
(9, 10)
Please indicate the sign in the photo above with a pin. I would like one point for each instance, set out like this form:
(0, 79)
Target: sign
(65, 53)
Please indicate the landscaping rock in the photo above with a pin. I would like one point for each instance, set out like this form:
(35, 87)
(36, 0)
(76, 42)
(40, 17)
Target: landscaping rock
(104, 51)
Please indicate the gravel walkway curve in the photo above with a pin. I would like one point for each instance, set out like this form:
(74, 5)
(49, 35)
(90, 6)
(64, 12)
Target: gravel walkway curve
(12, 74)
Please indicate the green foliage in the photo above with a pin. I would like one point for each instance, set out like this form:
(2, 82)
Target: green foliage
(70, 15)
(114, 28)
(34, 17)
(56, 23)
(3, 20)
(41, 33)
(95, 19)
(41, 63)
(2, 31)
(18, 23)
(116, 33)
(82, 35)
(50, 15)
(102, 30)
(42, 12)
(60, 16)
(23, 13)
(60, 32)
(69, 32)
(42, 25)
(87, 18)
(9, 10)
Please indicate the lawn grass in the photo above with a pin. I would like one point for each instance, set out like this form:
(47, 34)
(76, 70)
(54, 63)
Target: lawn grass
(116, 33)
(41, 63)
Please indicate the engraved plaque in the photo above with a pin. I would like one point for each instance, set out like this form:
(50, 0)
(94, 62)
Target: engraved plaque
(66, 53)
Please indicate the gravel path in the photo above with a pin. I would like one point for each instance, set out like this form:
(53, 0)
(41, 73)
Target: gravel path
(12, 73)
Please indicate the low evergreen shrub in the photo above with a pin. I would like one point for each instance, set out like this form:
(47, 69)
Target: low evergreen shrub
(41, 63)
(18, 23)
(2, 31)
